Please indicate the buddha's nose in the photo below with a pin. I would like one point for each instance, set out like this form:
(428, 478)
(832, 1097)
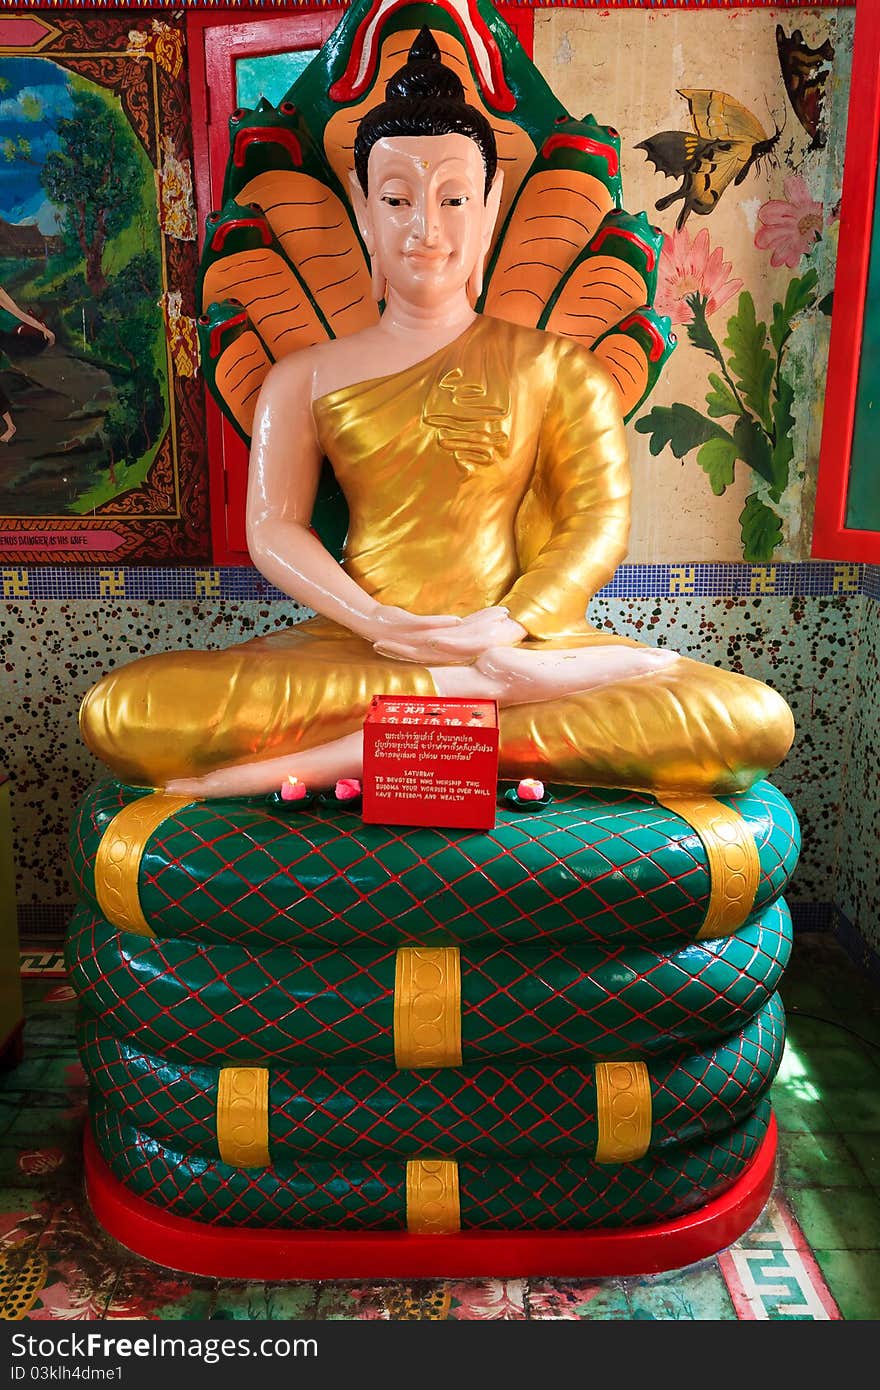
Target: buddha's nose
(427, 225)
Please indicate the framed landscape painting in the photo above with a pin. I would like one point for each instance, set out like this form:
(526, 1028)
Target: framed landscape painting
(101, 428)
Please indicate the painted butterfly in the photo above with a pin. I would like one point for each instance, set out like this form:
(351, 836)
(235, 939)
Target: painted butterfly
(804, 72)
(727, 141)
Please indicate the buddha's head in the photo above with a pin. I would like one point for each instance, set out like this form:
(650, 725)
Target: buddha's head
(426, 187)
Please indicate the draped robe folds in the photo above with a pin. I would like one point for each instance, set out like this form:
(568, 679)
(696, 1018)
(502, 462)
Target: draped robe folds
(493, 472)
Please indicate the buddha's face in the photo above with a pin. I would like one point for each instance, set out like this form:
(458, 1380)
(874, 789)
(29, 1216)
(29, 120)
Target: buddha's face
(426, 219)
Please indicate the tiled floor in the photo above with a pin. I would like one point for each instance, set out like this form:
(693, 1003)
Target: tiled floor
(814, 1254)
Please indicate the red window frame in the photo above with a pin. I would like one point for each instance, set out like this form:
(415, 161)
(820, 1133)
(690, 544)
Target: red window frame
(216, 39)
(832, 538)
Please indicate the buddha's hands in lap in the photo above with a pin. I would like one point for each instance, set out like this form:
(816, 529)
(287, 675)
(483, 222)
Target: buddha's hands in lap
(439, 641)
(388, 625)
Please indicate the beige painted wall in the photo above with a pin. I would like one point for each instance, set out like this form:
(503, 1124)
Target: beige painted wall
(625, 66)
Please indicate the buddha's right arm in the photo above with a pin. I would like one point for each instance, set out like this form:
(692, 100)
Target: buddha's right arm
(282, 485)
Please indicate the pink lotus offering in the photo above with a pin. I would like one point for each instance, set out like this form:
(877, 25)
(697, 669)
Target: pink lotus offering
(347, 788)
(292, 789)
(530, 789)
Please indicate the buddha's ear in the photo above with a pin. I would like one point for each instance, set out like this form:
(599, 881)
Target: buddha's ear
(361, 210)
(490, 217)
(493, 204)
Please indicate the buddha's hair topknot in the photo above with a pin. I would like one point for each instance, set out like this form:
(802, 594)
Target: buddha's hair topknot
(424, 98)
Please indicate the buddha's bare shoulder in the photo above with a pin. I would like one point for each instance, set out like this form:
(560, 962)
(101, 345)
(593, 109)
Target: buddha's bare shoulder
(531, 355)
(339, 363)
(313, 371)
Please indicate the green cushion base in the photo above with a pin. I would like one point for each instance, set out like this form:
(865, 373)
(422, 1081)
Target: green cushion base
(550, 1194)
(593, 866)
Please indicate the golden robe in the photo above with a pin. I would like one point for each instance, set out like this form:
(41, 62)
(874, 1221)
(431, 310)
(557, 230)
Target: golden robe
(494, 472)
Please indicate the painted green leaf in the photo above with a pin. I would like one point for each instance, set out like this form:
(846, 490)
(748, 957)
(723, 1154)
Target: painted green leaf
(679, 426)
(783, 424)
(753, 446)
(761, 530)
(801, 292)
(750, 361)
(780, 328)
(720, 400)
(826, 303)
(800, 295)
(698, 329)
(717, 458)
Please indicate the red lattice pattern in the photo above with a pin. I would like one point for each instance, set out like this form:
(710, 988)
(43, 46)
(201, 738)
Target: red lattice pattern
(381, 1112)
(192, 1004)
(495, 1195)
(613, 866)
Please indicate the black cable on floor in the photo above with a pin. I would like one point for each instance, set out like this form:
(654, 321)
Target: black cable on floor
(833, 1023)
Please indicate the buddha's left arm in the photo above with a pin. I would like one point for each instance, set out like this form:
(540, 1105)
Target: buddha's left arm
(582, 487)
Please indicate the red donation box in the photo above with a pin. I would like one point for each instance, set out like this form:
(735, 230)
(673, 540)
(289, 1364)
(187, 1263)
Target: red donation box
(431, 762)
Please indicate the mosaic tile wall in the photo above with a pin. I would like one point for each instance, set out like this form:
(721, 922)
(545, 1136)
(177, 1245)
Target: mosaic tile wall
(51, 651)
(858, 877)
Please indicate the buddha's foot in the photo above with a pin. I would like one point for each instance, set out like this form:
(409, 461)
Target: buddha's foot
(317, 767)
(521, 675)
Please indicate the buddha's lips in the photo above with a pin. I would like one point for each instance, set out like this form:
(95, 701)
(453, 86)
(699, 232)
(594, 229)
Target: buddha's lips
(482, 50)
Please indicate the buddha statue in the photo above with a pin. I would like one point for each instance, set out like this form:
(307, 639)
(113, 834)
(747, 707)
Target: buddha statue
(312, 1024)
(484, 465)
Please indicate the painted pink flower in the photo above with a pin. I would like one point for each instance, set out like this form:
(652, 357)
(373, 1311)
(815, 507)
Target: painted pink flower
(790, 225)
(65, 1302)
(689, 267)
(59, 994)
(14, 1227)
(155, 1292)
(489, 1300)
(40, 1160)
(373, 1302)
(558, 1300)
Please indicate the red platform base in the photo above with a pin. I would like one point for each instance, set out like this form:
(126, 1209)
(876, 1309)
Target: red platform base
(230, 1252)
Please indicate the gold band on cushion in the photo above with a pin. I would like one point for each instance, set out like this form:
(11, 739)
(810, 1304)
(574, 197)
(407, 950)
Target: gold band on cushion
(118, 860)
(734, 866)
(427, 1007)
(432, 1202)
(623, 1111)
(243, 1116)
